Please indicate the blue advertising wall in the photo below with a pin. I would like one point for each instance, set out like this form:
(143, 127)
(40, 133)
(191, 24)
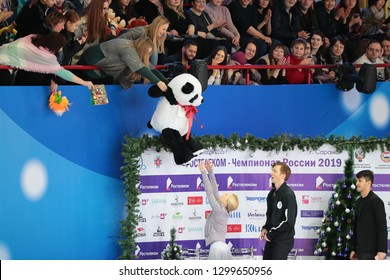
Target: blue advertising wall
(60, 180)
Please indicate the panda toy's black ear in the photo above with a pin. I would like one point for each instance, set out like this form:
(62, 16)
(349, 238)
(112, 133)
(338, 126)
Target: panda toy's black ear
(187, 88)
(155, 92)
(198, 69)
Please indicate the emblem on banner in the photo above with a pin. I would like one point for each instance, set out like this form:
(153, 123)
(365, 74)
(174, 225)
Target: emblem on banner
(157, 162)
(360, 155)
(385, 156)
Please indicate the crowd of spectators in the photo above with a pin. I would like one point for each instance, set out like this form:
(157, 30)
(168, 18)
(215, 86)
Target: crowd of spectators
(230, 32)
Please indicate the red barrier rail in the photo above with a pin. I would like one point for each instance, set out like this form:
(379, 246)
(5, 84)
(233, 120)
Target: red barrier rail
(234, 67)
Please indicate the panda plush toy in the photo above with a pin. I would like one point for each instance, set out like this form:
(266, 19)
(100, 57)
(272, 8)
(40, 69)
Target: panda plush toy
(175, 112)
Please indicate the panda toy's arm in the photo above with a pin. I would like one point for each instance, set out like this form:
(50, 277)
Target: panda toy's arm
(155, 91)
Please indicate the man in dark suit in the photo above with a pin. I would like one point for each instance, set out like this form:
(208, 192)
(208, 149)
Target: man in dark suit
(370, 229)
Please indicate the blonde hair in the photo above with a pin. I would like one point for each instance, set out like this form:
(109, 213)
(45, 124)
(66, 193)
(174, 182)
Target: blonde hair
(232, 202)
(151, 31)
(142, 46)
(179, 9)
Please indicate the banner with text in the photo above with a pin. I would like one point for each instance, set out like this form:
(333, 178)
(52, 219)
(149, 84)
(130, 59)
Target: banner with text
(175, 197)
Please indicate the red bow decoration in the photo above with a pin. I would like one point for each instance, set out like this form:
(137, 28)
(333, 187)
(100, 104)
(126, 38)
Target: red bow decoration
(190, 114)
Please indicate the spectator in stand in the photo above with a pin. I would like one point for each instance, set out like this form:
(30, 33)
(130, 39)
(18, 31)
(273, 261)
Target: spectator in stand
(10, 5)
(81, 6)
(207, 30)
(307, 50)
(286, 25)
(124, 9)
(63, 6)
(351, 16)
(5, 14)
(73, 45)
(276, 56)
(317, 44)
(124, 60)
(245, 18)
(335, 54)
(20, 5)
(5, 75)
(177, 63)
(373, 17)
(373, 55)
(264, 13)
(330, 21)
(94, 26)
(217, 11)
(180, 26)
(31, 16)
(298, 75)
(218, 57)
(386, 55)
(186, 55)
(97, 24)
(247, 56)
(54, 22)
(149, 9)
(156, 31)
(308, 16)
(35, 57)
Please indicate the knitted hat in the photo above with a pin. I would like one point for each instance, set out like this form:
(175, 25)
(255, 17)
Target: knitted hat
(239, 57)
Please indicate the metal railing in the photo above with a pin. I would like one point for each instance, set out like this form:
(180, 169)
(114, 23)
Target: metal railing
(227, 67)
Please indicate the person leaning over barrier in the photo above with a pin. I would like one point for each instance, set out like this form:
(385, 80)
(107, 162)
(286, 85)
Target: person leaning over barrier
(35, 55)
(125, 60)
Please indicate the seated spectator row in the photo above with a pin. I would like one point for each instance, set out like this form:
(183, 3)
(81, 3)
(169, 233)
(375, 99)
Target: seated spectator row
(283, 32)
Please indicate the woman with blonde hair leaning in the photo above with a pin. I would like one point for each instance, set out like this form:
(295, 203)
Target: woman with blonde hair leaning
(156, 31)
(125, 60)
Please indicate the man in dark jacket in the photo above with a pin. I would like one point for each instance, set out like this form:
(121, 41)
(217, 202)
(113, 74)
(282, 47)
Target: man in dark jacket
(279, 230)
(370, 229)
(286, 24)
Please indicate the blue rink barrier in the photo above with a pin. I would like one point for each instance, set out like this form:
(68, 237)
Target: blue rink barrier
(75, 211)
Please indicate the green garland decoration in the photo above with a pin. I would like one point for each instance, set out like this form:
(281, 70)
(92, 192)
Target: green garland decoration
(134, 147)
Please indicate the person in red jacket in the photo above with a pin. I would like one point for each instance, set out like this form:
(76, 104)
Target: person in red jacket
(297, 57)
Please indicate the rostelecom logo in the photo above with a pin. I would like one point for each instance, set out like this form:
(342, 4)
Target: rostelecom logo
(198, 183)
(319, 182)
(230, 182)
(168, 184)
